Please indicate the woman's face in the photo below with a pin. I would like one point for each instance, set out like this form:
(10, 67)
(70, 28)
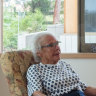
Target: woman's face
(50, 50)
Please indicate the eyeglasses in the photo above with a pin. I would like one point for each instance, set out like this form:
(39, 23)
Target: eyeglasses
(51, 45)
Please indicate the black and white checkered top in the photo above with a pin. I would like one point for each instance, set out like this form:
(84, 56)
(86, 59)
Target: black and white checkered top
(53, 80)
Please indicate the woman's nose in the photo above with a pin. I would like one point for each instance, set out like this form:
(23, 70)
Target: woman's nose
(57, 47)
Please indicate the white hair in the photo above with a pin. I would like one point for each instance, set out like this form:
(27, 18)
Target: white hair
(36, 44)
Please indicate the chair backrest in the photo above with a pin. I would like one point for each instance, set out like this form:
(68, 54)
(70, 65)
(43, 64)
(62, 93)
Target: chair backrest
(14, 65)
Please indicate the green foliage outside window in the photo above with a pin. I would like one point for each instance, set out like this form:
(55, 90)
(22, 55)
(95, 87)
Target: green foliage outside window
(33, 22)
(10, 30)
(43, 5)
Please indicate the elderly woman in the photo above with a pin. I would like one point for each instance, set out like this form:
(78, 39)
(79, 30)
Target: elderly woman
(53, 76)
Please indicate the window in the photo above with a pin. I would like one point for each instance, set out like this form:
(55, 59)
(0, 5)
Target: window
(14, 20)
(87, 26)
(24, 18)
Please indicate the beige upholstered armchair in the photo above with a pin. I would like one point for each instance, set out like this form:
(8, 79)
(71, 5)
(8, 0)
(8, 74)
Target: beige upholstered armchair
(14, 65)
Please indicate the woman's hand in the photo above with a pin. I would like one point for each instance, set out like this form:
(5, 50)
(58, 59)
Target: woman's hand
(90, 91)
(38, 93)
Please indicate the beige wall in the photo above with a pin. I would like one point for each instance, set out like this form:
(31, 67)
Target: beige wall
(3, 85)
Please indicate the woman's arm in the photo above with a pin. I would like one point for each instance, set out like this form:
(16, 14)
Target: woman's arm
(38, 93)
(90, 91)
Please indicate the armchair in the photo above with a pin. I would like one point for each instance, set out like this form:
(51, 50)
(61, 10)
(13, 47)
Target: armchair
(14, 65)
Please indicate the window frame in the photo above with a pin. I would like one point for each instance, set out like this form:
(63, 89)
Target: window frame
(83, 47)
(1, 26)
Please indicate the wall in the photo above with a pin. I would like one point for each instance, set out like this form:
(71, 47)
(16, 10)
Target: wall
(3, 85)
(86, 68)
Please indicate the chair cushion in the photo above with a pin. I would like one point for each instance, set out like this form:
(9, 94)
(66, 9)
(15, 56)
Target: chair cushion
(14, 65)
